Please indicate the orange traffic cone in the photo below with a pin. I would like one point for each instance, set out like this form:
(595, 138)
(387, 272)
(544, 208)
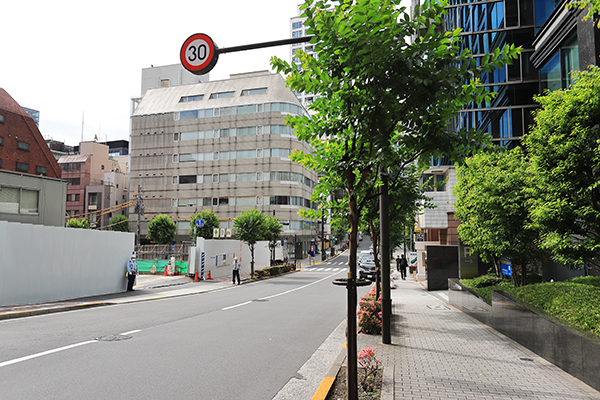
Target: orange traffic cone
(209, 278)
(165, 270)
(196, 277)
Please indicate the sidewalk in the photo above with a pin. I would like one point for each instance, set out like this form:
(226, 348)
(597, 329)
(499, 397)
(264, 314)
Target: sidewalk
(438, 352)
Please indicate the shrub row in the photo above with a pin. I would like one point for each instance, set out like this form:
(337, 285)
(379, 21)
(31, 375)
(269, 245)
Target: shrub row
(576, 301)
(275, 270)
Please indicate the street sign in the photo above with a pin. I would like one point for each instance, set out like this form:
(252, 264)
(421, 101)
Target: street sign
(199, 54)
(506, 267)
(200, 222)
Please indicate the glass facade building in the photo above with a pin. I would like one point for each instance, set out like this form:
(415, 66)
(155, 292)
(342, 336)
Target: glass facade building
(488, 25)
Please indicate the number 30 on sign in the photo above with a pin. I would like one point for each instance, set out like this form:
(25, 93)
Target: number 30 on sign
(199, 54)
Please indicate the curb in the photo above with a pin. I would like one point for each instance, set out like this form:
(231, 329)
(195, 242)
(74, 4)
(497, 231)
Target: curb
(329, 379)
(43, 311)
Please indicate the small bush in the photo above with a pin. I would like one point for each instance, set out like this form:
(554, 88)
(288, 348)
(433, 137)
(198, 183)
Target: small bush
(369, 314)
(485, 281)
(274, 270)
(587, 280)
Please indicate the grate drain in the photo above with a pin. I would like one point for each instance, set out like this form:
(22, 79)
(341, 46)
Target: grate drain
(437, 307)
(113, 338)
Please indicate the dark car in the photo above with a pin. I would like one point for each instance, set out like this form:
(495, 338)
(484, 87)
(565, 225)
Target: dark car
(366, 268)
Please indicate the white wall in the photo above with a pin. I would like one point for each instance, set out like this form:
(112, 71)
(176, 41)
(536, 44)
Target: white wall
(46, 263)
(218, 257)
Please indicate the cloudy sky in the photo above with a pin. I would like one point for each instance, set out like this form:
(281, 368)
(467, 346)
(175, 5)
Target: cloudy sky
(77, 60)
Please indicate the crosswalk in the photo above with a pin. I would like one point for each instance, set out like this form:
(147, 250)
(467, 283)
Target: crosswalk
(329, 266)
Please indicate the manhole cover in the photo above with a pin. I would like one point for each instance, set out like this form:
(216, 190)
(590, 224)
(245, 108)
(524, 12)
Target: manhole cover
(437, 307)
(113, 338)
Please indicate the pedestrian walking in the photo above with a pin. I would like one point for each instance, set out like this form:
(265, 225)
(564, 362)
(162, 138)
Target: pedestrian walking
(403, 266)
(132, 272)
(236, 270)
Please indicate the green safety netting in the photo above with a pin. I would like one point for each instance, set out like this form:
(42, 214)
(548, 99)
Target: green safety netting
(146, 266)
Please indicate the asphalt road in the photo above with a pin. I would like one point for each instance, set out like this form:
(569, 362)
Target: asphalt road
(240, 342)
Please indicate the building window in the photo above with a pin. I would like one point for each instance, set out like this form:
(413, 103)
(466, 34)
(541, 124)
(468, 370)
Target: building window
(23, 167)
(1, 140)
(23, 146)
(215, 201)
(17, 200)
(215, 178)
(250, 92)
(102, 167)
(175, 180)
(185, 99)
(297, 33)
(1, 119)
(41, 170)
(186, 179)
(70, 166)
(73, 197)
(297, 25)
(221, 95)
(175, 158)
(176, 136)
(0, 163)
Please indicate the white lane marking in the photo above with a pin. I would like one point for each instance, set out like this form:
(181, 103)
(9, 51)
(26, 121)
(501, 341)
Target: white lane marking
(237, 305)
(45, 353)
(130, 332)
(278, 294)
(298, 288)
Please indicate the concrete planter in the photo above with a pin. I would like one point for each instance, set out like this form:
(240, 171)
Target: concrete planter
(564, 345)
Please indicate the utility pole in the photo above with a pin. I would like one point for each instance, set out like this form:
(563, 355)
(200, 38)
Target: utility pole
(384, 223)
(139, 210)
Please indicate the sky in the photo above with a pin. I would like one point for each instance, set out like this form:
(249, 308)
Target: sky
(80, 63)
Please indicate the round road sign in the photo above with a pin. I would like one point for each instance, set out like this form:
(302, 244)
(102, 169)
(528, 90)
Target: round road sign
(199, 54)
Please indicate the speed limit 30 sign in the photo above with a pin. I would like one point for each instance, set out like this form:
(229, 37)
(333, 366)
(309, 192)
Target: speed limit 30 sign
(199, 54)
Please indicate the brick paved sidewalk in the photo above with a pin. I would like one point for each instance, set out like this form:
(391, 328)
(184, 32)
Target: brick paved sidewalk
(439, 352)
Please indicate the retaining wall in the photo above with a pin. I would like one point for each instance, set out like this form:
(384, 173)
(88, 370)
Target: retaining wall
(564, 345)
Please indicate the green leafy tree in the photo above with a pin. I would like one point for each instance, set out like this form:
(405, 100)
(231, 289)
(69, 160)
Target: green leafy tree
(161, 229)
(593, 9)
(381, 94)
(78, 223)
(493, 199)
(119, 223)
(564, 144)
(211, 221)
(272, 233)
(249, 227)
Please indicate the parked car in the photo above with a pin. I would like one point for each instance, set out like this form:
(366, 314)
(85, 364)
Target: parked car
(366, 268)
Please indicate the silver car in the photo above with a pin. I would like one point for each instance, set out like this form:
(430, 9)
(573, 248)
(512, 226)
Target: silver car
(366, 268)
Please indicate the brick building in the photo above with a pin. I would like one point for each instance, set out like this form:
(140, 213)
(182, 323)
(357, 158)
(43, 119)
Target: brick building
(31, 190)
(22, 146)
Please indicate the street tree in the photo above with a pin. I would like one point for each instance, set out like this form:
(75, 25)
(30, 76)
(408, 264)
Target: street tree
(381, 93)
(78, 223)
(249, 227)
(211, 221)
(119, 223)
(564, 145)
(493, 200)
(161, 229)
(272, 234)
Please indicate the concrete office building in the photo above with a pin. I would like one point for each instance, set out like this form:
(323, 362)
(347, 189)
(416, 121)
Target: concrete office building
(222, 146)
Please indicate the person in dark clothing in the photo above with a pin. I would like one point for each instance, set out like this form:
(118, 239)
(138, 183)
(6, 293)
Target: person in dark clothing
(403, 265)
